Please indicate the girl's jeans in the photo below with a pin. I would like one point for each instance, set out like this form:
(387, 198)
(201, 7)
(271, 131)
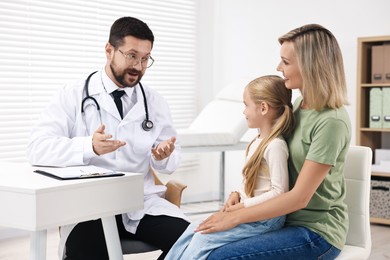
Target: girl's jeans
(198, 246)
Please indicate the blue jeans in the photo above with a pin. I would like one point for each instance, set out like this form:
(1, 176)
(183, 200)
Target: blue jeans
(197, 246)
(283, 244)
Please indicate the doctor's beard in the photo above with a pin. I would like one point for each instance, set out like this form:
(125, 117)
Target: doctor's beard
(120, 77)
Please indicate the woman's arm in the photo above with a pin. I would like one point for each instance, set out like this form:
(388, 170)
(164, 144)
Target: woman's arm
(310, 177)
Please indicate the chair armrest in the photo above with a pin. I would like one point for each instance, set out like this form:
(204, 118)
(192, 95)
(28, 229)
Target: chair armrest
(174, 192)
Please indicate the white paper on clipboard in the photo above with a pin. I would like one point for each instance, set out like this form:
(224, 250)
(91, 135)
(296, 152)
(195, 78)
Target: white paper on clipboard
(76, 172)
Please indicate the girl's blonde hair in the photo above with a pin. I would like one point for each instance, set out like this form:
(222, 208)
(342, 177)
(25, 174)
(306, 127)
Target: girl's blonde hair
(321, 65)
(271, 90)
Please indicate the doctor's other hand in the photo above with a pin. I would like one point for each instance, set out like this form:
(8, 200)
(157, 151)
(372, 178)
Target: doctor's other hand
(164, 149)
(101, 143)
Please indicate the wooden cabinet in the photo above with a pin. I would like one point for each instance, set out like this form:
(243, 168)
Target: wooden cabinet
(372, 137)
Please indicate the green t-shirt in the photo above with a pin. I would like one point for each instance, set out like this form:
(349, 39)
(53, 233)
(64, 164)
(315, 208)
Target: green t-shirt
(321, 137)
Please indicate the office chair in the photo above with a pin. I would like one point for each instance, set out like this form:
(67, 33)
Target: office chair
(173, 194)
(358, 178)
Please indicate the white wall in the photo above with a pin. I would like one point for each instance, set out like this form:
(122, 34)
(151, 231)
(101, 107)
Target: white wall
(246, 32)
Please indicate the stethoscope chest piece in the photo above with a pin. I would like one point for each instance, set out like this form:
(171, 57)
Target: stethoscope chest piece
(147, 125)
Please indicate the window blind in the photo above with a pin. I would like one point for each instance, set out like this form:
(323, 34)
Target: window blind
(45, 44)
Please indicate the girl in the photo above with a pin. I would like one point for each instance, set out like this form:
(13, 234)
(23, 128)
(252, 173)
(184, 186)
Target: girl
(268, 108)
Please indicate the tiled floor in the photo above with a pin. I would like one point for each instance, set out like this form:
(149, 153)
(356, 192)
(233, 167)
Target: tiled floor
(380, 235)
(18, 248)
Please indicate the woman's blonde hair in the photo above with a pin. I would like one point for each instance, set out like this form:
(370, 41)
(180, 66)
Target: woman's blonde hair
(271, 90)
(321, 65)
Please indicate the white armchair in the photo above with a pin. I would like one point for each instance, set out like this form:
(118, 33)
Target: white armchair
(358, 179)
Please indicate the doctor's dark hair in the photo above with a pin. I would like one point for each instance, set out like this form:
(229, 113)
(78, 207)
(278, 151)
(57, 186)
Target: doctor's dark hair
(129, 26)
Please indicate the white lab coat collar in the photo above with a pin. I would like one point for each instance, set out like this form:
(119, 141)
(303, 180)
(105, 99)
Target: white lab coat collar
(138, 108)
(100, 82)
(101, 85)
(110, 86)
(95, 85)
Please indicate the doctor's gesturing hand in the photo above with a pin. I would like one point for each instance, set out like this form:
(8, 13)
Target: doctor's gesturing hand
(164, 149)
(101, 143)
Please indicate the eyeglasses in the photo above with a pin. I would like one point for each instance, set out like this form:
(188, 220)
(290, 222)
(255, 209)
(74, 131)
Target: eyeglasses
(132, 59)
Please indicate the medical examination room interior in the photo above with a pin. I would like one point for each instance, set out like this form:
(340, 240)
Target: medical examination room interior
(202, 47)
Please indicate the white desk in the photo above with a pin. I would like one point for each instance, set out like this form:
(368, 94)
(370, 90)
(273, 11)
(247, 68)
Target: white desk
(34, 202)
(217, 148)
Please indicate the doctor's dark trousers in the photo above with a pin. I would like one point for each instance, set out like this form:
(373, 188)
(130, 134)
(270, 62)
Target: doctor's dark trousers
(86, 241)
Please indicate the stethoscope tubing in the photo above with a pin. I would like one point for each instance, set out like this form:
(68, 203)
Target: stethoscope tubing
(147, 124)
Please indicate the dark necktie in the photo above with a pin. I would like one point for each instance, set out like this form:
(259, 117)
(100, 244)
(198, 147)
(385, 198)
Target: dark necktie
(118, 102)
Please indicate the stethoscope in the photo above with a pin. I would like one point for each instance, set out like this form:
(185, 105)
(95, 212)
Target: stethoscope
(147, 124)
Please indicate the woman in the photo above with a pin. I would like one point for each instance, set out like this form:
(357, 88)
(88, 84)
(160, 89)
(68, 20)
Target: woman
(317, 221)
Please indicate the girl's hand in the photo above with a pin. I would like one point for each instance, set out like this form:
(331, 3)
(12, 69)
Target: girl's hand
(217, 222)
(235, 207)
(233, 199)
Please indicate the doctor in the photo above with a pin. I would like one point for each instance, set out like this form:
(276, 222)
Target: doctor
(83, 125)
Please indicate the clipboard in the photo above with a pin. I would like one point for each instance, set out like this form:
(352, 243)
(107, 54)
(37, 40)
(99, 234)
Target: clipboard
(77, 172)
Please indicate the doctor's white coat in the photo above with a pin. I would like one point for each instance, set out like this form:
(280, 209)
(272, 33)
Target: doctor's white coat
(63, 137)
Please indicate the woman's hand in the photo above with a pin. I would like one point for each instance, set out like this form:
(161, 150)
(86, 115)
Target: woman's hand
(217, 222)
